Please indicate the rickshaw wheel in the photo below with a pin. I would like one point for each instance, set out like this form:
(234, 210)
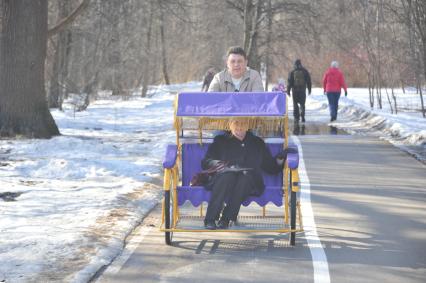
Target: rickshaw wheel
(293, 209)
(168, 214)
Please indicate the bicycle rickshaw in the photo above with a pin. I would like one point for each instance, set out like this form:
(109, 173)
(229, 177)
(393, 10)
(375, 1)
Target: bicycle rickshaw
(197, 116)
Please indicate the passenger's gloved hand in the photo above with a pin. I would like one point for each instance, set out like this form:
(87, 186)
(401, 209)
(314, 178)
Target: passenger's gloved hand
(281, 157)
(212, 162)
(203, 177)
(309, 93)
(216, 165)
(346, 93)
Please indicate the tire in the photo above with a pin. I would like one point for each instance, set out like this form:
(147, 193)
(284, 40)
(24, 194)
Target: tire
(293, 209)
(168, 206)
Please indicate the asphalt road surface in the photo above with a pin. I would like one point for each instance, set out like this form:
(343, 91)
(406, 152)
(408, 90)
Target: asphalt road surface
(364, 213)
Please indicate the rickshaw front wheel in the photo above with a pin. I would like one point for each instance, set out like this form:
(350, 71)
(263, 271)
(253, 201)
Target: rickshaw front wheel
(293, 209)
(168, 217)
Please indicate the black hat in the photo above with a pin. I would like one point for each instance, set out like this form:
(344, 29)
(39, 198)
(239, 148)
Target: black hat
(297, 63)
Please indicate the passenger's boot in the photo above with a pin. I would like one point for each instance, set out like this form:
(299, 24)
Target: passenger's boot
(223, 223)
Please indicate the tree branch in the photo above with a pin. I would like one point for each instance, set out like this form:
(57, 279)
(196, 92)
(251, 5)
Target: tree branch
(69, 19)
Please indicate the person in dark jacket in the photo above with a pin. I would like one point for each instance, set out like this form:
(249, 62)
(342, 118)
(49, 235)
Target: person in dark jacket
(298, 80)
(208, 77)
(245, 156)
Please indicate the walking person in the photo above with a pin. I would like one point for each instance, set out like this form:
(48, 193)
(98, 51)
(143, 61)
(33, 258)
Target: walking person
(208, 77)
(333, 81)
(237, 77)
(280, 86)
(298, 80)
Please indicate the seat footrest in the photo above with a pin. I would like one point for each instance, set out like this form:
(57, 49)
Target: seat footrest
(197, 195)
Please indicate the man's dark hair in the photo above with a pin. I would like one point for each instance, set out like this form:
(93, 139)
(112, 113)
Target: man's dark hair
(236, 50)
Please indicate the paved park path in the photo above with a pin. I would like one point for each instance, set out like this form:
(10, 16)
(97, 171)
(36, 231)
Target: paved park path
(368, 200)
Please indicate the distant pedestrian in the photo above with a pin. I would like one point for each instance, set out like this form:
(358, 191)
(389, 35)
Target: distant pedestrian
(298, 80)
(280, 86)
(208, 77)
(237, 77)
(333, 81)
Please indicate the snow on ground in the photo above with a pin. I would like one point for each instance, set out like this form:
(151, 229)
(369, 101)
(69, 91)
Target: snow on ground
(68, 203)
(104, 172)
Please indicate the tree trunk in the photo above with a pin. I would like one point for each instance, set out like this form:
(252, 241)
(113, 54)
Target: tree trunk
(248, 15)
(370, 90)
(116, 51)
(420, 20)
(23, 105)
(60, 61)
(389, 101)
(252, 14)
(53, 96)
(147, 65)
(69, 18)
(268, 45)
(394, 101)
(378, 58)
(163, 47)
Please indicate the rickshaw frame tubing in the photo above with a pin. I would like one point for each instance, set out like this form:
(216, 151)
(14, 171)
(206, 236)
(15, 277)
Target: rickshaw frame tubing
(233, 230)
(171, 179)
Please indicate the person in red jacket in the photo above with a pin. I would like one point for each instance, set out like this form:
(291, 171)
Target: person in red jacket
(332, 82)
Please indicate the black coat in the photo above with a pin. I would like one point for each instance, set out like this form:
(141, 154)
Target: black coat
(252, 152)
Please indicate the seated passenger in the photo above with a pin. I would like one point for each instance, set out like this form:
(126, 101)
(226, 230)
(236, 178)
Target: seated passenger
(241, 157)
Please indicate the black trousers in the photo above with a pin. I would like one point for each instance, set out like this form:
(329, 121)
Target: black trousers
(299, 97)
(232, 188)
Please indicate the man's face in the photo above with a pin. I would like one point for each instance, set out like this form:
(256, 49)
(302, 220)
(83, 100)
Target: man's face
(239, 128)
(237, 65)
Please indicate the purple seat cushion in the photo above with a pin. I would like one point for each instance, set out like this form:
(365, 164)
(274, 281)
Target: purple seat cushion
(192, 153)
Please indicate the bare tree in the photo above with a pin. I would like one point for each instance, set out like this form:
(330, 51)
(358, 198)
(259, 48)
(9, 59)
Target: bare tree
(146, 52)
(163, 44)
(416, 10)
(60, 59)
(268, 43)
(23, 105)
(127, 45)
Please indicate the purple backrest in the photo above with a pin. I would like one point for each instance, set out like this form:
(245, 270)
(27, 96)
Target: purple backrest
(193, 153)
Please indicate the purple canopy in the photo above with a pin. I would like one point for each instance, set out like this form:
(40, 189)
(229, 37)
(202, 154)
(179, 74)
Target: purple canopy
(231, 104)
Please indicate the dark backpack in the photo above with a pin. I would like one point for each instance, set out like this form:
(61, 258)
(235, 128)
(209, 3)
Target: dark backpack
(299, 78)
